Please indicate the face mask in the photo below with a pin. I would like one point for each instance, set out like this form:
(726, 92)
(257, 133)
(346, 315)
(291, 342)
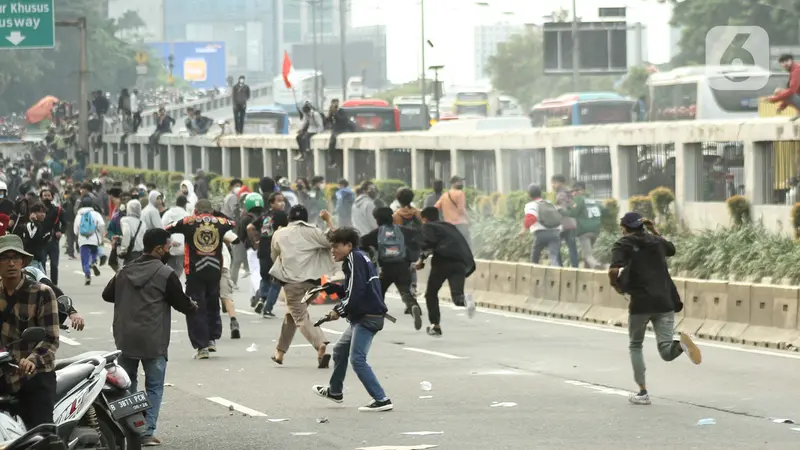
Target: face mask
(237, 189)
(241, 81)
(47, 202)
(165, 258)
(2, 195)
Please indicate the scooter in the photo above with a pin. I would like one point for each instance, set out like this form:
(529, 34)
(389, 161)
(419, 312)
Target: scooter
(90, 403)
(43, 437)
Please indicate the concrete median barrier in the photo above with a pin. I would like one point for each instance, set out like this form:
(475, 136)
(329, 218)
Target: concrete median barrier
(568, 306)
(773, 317)
(538, 301)
(502, 288)
(608, 307)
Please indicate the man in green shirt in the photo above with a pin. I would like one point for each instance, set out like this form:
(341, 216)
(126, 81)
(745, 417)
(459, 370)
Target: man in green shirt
(587, 212)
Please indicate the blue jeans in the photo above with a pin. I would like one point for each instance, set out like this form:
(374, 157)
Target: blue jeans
(570, 238)
(155, 371)
(270, 290)
(88, 257)
(38, 264)
(354, 344)
(550, 240)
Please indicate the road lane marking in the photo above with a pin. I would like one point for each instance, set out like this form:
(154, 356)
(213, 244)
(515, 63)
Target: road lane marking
(247, 313)
(328, 330)
(432, 353)
(618, 330)
(68, 341)
(599, 389)
(236, 407)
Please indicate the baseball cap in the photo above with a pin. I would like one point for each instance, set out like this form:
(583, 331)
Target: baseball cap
(456, 179)
(298, 212)
(579, 186)
(632, 220)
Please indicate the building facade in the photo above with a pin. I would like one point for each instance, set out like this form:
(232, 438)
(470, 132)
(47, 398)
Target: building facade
(487, 38)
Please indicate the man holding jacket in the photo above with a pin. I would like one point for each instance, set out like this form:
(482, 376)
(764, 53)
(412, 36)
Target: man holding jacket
(639, 269)
(144, 293)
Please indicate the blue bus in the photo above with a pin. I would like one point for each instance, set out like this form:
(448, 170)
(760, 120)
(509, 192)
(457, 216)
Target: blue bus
(271, 119)
(583, 108)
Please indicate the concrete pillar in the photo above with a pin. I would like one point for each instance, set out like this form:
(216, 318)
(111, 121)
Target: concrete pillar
(171, 149)
(109, 150)
(688, 173)
(417, 169)
(556, 163)
(226, 161)
(187, 161)
(349, 166)
(157, 158)
(291, 165)
(143, 149)
(502, 163)
(756, 173)
(623, 171)
(267, 158)
(381, 164)
(319, 161)
(457, 164)
(205, 158)
(244, 163)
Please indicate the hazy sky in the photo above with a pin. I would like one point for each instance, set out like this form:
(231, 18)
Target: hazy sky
(449, 24)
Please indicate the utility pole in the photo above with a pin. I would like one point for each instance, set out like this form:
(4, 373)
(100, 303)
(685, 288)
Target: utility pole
(576, 60)
(314, 4)
(83, 110)
(423, 116)
(343, 5)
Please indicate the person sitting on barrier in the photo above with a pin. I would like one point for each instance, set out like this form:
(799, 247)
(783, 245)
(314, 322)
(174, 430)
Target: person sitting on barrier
(639, 269)
(313, 123)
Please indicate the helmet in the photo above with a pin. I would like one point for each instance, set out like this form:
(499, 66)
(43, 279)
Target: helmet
(253, 201)
(3, 186)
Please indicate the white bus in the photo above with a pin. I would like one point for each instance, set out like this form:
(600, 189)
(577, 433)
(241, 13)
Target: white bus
(303, 84)
(355, 88)
(685, 93)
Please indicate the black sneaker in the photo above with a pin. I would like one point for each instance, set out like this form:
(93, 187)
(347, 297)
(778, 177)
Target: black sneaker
(103, 260)
(299, 157)
(268, 315)
(259, 306)
(88, 281)
(212, 346)
(434, 331)
(96, 270)
(235, 333)
(416, 312)
(253, 301)
(324, 392)
(384, 405)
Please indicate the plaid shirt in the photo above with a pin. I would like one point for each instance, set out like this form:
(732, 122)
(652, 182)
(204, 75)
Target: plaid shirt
(35, 306)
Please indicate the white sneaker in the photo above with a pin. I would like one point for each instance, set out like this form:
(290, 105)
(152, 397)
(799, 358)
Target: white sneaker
(636, 399)
(691, 350)
(470, 301)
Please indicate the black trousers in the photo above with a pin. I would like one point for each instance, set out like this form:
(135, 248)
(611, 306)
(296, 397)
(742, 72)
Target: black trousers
(37, 398)
(238, 117)
(137, 121)
(400, 276)
(455, 275)
(304, 141)
(205, 324)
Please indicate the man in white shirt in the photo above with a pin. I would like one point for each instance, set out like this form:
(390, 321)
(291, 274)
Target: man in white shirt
(177, 251)
(313, 123)
(544, 221)
(137, 112)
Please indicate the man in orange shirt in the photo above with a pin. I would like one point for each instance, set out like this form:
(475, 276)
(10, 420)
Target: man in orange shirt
(453, 205)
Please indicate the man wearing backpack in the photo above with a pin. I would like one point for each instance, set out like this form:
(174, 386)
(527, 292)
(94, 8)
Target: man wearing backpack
(544, 221)
(588, 212)
(397, 249)
(408, 216)
(90, 229)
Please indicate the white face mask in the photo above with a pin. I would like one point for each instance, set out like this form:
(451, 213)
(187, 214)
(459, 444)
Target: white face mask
(241, 81)
(237, 189)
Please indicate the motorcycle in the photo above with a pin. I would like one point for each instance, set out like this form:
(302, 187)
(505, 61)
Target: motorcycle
(43, 437)
(88, 413)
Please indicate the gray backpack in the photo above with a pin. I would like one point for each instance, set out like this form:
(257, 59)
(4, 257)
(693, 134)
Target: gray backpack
(391, 245)
(548, 215)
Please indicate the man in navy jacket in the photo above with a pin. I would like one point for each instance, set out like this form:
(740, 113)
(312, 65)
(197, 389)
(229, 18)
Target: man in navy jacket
(363, 306)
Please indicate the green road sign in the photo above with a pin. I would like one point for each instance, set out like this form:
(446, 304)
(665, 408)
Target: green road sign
(27, 24)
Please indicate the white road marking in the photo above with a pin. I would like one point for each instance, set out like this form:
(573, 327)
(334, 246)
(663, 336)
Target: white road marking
(96, 313)
(399, 447)
(68, 341)
(430, 352)
(78, 272)
(328, 330)
(236, 407)
(616, 330)
(599, 389)
(247, 313)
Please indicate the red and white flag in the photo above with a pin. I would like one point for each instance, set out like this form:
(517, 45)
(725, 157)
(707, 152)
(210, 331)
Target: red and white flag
(287, 70)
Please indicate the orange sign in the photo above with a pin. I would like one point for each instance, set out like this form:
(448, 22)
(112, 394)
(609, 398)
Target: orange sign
(195, 70)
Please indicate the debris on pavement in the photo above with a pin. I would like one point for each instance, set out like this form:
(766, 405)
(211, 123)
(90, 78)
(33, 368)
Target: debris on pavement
(707, 422)
(253, 348)
(323, 420)
(304, 433)
(422, 433)
(169, 385)
(423, 397)
(400, 447)
(503, 404)
(230, 408)
(425, 385)
(277, 420)
(789, 421)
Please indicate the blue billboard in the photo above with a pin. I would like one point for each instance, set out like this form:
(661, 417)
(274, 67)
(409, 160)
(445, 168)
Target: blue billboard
(201, 64)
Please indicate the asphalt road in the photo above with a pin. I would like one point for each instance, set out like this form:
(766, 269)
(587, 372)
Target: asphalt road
(567, 383)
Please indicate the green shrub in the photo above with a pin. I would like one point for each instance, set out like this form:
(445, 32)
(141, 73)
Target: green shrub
(610, 216)
(515, 202)
(739, 209)
(796, 220)
(484, 206)
(642, 205)
(387, 189)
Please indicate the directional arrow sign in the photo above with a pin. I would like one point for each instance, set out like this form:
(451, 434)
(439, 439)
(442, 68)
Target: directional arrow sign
(26, 24)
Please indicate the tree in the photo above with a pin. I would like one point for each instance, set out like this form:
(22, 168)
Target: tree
(635, 82)
(696, 17)
(517, 69)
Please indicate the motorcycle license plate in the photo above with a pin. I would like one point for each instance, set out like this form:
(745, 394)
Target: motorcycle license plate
(129, 405)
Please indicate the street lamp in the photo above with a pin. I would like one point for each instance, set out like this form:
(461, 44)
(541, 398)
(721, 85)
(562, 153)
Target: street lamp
(422, 89)
(437, 93)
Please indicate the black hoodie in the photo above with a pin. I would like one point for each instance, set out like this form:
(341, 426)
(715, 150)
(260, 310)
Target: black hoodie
(447, 245)
(644, 257)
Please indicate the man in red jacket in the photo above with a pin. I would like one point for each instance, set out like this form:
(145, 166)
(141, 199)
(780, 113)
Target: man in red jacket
(790, 95)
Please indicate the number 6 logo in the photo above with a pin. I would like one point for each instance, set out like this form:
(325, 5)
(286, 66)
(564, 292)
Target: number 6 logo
(730, 45)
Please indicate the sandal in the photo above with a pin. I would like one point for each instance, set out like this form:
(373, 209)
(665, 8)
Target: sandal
(324, 362)
(277, 361)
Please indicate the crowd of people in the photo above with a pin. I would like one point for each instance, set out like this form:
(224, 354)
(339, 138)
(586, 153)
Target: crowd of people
(288, 242)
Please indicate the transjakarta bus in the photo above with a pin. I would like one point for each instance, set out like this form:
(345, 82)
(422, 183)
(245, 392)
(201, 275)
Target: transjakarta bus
(583, 108)
(474, 102)
(303, 83)
(686, 93)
